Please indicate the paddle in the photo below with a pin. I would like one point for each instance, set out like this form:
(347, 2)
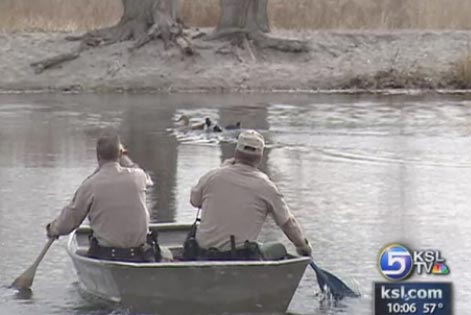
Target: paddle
(25, 281)
(337, 287)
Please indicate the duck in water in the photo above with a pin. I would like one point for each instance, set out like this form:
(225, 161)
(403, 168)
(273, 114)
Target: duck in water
(186, 123)
(216, 128)
(212, 127)
(233, 127)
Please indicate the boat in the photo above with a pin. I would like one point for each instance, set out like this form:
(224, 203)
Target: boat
(183, 287)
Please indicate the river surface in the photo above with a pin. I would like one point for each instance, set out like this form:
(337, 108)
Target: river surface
(359, 172)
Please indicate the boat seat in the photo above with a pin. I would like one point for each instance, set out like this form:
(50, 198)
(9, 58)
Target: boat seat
(176, 251)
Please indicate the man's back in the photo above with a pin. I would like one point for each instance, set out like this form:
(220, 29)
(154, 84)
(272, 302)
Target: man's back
(235, 200)
(113, 198)
(118, 213)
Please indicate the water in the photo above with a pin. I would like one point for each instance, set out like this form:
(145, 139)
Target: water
(359, 172)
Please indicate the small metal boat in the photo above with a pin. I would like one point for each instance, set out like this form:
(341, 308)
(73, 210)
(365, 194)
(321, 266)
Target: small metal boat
(180, 287)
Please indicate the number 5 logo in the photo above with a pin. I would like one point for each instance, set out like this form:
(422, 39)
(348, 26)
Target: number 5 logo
(395, 262)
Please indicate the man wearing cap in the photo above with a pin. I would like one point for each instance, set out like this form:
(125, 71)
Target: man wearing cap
(114, 200)
(235, 200)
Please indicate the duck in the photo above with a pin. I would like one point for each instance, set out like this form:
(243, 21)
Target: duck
(233, 127)
(211, 127)
(186, 123)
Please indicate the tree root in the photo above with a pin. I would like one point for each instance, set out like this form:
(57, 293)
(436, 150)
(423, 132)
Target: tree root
(47, 63)
(142, 21)
(248, 47)
(245, 22)
(226, 32)
(287, 45)
(260, 39)
(229, 49)
(185, 45)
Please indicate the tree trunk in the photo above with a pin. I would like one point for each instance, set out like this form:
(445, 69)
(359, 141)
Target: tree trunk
(244, 14)
(142, 21)
(247, 20)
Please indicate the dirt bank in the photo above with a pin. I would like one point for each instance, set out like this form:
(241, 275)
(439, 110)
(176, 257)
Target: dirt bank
(337, 60)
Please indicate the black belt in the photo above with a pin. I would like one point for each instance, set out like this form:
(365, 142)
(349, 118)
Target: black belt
(143, 253)
(238, 254)
(116, 252)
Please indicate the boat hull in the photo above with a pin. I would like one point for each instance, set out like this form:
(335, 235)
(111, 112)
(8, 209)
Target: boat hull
(198, 287)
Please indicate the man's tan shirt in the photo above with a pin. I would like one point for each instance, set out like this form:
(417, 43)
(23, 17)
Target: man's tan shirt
(114, 200)
(235, 200)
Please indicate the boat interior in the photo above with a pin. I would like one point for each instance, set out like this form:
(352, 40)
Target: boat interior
(171, 237)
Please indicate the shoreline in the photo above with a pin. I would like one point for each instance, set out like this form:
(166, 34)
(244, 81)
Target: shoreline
(381, 92)
(347, 62)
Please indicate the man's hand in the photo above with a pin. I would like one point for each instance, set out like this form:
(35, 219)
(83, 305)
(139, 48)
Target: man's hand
(125, 161)
(50, 233)
(305, 250)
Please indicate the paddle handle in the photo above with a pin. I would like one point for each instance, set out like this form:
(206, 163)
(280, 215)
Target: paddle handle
(43, 252)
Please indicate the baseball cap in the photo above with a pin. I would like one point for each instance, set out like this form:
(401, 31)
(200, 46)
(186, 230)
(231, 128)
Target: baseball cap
(250, 142)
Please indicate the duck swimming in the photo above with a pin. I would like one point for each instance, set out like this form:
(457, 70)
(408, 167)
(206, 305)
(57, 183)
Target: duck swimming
(186, 123)
(211, 127)
(233, 127)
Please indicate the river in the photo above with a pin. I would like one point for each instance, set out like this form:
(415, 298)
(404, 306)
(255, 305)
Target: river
(359, 172)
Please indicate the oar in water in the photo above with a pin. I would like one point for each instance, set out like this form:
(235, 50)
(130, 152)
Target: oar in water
(337, 287)
(25, 281)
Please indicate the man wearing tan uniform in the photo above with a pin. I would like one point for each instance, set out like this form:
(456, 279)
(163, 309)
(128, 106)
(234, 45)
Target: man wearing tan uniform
(114, 200)
(235, 200)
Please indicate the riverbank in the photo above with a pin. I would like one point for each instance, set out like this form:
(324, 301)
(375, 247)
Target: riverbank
(366, 61)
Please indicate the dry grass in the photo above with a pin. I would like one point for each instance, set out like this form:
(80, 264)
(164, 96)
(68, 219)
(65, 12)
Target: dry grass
(294, 14)
(57, 15)
(203, 13)
(391, 79)
(371, 14)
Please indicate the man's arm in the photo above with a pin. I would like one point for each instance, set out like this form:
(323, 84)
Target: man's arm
(72, 215)
(295, 234)
(125, 161)
(196, 196)
(286, 220)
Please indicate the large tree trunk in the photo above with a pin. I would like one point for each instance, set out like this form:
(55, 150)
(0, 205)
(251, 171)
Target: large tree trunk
(244, 20)
(244, 14)
(142, 21)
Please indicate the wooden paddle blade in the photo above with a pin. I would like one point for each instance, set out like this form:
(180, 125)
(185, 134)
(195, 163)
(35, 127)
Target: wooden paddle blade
(341, 289)
(336, 286)
(25, 281)
(319, 276)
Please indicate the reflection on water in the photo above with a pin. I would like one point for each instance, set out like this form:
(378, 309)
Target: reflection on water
(358, 172)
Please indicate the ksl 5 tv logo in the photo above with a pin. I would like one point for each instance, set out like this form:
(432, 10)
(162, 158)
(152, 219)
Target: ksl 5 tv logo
(396, 262)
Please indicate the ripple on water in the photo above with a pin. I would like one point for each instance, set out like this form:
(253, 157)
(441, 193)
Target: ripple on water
(358, 173)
